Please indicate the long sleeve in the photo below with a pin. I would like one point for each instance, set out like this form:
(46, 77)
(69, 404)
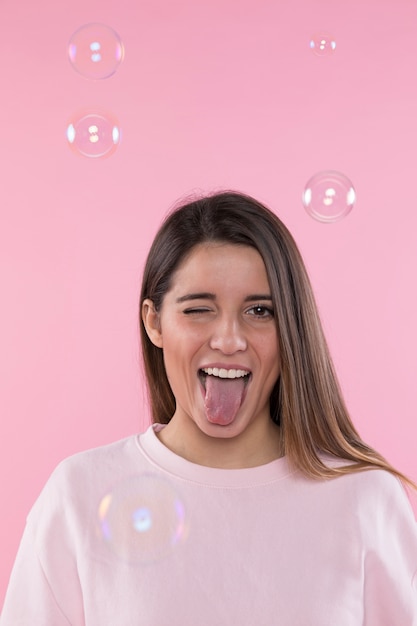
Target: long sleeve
(44, 587)
(390, 593)
(29, 598)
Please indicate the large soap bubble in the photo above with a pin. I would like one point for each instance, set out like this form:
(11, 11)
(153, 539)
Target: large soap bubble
(323, 45)
(329, 196)
(95, 51)
(142, 519)
(93, 134)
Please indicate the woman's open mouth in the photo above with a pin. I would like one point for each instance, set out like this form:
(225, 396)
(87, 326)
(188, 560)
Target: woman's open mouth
(224, 391)
(223, 374)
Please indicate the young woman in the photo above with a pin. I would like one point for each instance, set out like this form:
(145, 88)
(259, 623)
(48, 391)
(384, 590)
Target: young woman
(251, 499)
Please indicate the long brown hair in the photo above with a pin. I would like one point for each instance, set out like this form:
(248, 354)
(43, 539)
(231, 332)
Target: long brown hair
(306, 401)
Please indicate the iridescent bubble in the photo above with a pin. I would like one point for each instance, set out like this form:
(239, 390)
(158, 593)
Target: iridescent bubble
(95, 51)
(142, 519)
(93, 134)
(323, 45)
(329, 196)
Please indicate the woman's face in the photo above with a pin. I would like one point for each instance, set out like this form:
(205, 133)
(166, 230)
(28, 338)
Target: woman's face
(217, 330)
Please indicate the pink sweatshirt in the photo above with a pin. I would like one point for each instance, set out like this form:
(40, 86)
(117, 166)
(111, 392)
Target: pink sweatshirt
(131, 534)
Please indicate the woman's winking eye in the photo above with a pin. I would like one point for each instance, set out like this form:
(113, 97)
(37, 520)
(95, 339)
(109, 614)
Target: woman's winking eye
(196, 310)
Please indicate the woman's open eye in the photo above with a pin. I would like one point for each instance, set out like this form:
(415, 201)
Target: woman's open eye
(261, 311)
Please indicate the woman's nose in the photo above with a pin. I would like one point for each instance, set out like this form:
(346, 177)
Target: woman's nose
(228, 337)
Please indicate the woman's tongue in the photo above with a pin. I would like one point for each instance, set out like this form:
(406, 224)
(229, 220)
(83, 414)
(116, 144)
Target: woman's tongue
(223, 399)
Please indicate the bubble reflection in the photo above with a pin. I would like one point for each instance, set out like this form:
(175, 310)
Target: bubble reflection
(142, 519)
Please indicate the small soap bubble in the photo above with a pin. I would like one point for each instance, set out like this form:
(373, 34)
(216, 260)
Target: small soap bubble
(95, 51)
(329, 196)
(142, 519)
(93, 134)
(323, 45)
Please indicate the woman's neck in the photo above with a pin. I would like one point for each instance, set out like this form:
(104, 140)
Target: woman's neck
(257, 445)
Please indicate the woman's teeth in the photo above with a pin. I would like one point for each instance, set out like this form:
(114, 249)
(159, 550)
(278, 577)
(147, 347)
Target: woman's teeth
(224, 373)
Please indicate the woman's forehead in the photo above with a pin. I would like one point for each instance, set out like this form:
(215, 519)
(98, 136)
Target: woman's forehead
(221, 266)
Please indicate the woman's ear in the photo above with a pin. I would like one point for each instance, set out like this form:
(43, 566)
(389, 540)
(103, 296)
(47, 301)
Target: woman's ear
(151, 321)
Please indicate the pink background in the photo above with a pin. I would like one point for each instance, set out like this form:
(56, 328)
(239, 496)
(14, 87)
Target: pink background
(213, 94)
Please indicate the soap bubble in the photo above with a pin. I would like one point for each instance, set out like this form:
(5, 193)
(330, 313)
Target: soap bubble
(95, 51)
(93, 134)
(329, 196)
(323, 45)
(142, 519)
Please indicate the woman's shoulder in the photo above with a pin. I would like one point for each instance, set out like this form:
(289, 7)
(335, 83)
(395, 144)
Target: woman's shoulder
(374, 487)
(96, 457)
(85, 475)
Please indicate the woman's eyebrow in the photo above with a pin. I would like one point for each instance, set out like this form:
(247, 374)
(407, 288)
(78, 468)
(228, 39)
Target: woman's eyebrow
(211, 296)
(196, 296)
(260, 296)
